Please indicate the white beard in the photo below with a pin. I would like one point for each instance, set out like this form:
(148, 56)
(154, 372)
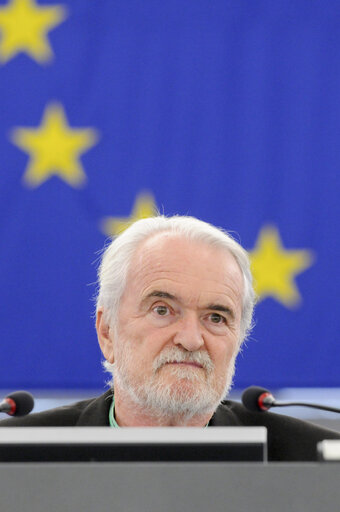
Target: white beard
(195, 391)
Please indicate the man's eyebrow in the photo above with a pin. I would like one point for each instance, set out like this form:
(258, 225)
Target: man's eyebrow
(161, 295)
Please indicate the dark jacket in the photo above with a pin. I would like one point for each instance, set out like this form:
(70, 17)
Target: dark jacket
(289, 439)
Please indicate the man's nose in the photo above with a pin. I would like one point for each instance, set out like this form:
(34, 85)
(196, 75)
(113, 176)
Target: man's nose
(189, 333)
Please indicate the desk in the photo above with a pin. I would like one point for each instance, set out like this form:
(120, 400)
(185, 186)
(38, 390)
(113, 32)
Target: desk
(171, 487)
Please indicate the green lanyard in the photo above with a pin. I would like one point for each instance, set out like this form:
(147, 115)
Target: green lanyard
(112, 420)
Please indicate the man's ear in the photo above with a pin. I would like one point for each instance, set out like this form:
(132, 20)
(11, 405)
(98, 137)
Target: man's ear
(105, 336)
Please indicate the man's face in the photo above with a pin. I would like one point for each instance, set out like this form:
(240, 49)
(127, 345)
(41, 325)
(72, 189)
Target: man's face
(178, 326)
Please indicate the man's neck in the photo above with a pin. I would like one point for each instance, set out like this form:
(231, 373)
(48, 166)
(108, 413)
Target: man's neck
(130, 414)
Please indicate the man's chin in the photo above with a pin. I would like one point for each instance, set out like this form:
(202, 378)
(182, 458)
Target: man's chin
(184, 393)
(182, 373)
(185, 389)
(180, 398)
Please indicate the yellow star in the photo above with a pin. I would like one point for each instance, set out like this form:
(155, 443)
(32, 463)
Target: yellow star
(143, 208)
(54, 148)
(24, 26)
(275, 267)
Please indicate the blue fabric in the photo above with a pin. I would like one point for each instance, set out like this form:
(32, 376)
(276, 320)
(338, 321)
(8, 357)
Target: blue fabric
(225, 110)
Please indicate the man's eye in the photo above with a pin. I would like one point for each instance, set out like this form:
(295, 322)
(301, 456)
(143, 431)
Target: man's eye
(216, 318)
(161, 310)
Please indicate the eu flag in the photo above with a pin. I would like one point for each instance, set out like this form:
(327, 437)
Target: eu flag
(225, 110)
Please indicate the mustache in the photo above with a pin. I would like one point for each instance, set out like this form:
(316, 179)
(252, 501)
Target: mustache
(175, 354)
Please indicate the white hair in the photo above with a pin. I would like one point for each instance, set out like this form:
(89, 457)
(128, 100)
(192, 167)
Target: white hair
(115, 263)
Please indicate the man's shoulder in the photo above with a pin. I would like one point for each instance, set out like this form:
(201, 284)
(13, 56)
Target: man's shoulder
(234, 413)
(241, 416)
(90, 412)
(288, 438)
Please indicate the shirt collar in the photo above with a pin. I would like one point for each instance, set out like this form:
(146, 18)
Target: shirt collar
(112, 419)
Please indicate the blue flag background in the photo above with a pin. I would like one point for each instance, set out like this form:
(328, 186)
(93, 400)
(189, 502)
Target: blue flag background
(225, 110)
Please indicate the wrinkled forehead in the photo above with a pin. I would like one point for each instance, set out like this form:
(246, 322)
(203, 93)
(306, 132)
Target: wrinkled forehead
(168, 254)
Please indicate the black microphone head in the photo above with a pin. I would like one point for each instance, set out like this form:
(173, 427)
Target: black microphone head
(250, 398)
(24, 402)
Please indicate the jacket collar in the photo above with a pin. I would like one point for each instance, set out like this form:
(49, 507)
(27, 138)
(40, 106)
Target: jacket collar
(96, 413)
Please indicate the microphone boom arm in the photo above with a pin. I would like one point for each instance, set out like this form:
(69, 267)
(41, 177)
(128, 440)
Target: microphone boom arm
(303, 404)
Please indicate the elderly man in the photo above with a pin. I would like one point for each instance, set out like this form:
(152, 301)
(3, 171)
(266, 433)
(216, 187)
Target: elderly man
(175, 304)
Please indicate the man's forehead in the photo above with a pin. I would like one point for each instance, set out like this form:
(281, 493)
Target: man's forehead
(166, 246)
(170, 258)
(163, 245)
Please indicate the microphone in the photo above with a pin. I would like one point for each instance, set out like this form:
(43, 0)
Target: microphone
(18, 403)
(257, 399)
